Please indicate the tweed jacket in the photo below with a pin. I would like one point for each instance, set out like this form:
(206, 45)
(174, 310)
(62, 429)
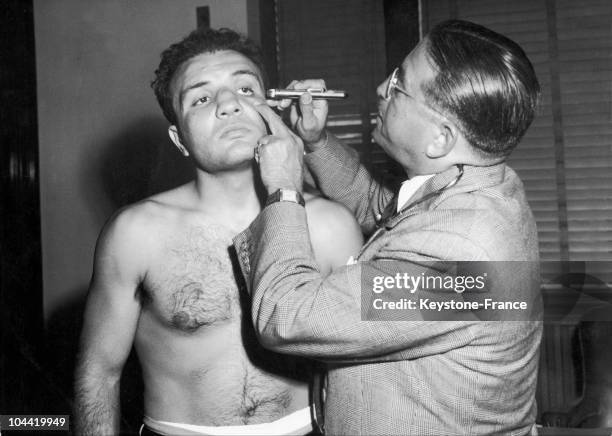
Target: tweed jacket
(413, 377)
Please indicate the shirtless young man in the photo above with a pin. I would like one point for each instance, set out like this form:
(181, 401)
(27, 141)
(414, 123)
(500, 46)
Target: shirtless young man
(164, 279)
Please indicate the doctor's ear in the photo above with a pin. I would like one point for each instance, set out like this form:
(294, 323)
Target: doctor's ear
(445, 138)
(176, 139)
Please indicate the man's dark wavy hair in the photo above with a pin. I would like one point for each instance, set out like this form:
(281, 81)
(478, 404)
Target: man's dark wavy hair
(201, 40)
(485, 81)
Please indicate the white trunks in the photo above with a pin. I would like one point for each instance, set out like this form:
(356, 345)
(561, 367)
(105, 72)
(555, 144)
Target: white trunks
(298, 423)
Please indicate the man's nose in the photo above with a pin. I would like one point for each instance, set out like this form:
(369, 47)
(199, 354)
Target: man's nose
(228, 104)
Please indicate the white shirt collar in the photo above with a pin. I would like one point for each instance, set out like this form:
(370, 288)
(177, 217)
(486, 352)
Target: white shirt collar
(409, 187)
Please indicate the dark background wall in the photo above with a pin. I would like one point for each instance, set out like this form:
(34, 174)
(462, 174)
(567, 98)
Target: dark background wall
(21, 321)
(102, 137)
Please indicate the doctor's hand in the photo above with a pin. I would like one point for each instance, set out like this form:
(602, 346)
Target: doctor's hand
(308, 116)
(279, 155)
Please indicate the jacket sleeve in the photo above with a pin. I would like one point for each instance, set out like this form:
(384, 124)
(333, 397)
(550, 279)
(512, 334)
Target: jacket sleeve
(338, 173)
(297, 311)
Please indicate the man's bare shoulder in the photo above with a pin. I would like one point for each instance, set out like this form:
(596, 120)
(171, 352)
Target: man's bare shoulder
(161, 206)
(141, 223)
(334, 232)
(322, 210)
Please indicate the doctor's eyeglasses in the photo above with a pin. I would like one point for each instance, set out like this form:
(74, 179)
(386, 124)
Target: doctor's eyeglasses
(392, 84)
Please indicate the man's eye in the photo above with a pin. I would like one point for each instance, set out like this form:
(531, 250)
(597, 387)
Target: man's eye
(246, 90)
(201, 100)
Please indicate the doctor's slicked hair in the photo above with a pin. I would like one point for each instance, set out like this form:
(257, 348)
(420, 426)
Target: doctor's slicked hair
(200, 41)
(485, 82)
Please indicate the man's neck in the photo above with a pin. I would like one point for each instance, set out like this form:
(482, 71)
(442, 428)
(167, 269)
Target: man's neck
(231, 197)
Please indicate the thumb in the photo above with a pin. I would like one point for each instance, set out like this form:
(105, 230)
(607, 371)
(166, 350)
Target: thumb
(309, 119)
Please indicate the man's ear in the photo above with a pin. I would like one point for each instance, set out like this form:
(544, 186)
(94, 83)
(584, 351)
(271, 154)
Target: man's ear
(176, 138)
(445, 138)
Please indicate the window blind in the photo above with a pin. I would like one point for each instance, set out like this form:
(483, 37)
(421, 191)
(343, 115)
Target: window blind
(341, 41)
(585, 67)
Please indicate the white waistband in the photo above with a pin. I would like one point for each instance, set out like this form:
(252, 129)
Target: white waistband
(298, 423)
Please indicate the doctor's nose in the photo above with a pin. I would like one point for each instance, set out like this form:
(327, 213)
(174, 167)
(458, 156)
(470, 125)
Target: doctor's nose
(381, 90)
(228, 104)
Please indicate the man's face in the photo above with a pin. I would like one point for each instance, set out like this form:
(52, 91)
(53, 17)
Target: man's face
(404, 126)
(213, 98)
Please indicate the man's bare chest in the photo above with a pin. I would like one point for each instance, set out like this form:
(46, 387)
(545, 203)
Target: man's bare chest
(192, 281)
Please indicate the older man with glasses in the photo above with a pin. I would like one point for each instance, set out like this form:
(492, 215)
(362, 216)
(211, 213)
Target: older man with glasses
(450, 115)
